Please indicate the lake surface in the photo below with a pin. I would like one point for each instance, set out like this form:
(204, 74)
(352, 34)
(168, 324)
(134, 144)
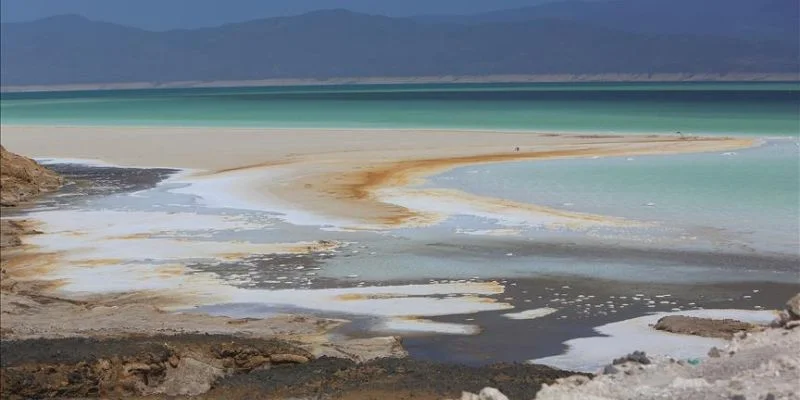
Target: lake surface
(693, 108)
(747, 199)
(718, 230)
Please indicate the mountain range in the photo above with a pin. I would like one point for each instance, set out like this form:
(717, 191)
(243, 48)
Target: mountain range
(570, 37)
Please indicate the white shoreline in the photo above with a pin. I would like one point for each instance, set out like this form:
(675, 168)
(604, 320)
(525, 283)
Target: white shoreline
(608, 78)
(624, 337)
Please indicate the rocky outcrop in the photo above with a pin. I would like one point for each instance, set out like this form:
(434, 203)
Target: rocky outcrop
(705, 327)
(21, 179)
(487, 393)
(166, 365)
(230, 367)
(793, 307)
(790, 316)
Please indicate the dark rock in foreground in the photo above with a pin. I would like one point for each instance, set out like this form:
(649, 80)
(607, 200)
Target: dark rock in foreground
(229, 367)
(171, 365)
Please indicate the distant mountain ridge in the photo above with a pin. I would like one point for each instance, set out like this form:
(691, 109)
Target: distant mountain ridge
(338, 43)
(744, 19)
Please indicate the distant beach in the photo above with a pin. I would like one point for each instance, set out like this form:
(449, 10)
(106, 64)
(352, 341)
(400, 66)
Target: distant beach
(555, 78)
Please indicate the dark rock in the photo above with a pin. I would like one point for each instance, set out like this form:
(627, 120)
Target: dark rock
(22, 179)
(793, 307)
(705, 327)
(781, 321)
(610, 370)
(714, 352)
(637, 357)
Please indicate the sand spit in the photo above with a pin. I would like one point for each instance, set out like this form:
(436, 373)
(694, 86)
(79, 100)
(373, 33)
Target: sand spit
(531, 314)
(334, 177)
(378, 190)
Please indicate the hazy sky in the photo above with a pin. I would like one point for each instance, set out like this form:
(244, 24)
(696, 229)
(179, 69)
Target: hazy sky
(168, 14)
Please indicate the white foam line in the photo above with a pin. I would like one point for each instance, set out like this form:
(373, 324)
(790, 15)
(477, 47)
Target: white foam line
(124, 278)
(488, 232)
(404, 325)
(92, 238)
(531, 314)
(384, 301)
(109, 224)
(624, 337)
(206, 289)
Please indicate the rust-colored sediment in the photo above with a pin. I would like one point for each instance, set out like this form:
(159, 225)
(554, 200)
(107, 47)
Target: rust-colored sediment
(359, 184)
(26, 263)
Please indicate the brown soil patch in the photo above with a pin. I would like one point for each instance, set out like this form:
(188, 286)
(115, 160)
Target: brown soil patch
(705, 327)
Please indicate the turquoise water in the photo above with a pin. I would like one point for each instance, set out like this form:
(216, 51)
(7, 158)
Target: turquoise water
(746, 200)
(695, 108)
(749, 198)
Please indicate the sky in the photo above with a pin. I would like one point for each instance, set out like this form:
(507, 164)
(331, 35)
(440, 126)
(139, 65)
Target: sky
(175, 14)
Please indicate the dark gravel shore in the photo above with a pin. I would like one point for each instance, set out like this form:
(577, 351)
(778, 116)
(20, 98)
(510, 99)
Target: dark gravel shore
(228, 367)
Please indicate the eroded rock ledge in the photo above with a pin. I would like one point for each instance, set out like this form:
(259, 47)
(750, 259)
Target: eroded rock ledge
(169, 365)
(21, 179)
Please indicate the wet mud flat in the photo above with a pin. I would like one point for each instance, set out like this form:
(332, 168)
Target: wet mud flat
(91, 180)
(580, 304)
(230, 367)
(502, 339)
(388, 379)
(600, 253)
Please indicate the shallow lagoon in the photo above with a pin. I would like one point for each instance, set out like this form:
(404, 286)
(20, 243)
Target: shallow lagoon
(456, 279)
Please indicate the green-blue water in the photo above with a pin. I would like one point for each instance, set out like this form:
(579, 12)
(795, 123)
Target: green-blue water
(694, 108)
(749, 197)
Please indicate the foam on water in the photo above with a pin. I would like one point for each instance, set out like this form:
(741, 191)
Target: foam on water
(531, 314)
(406, 326)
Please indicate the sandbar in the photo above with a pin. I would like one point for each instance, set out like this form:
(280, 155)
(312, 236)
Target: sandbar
(336, 173)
